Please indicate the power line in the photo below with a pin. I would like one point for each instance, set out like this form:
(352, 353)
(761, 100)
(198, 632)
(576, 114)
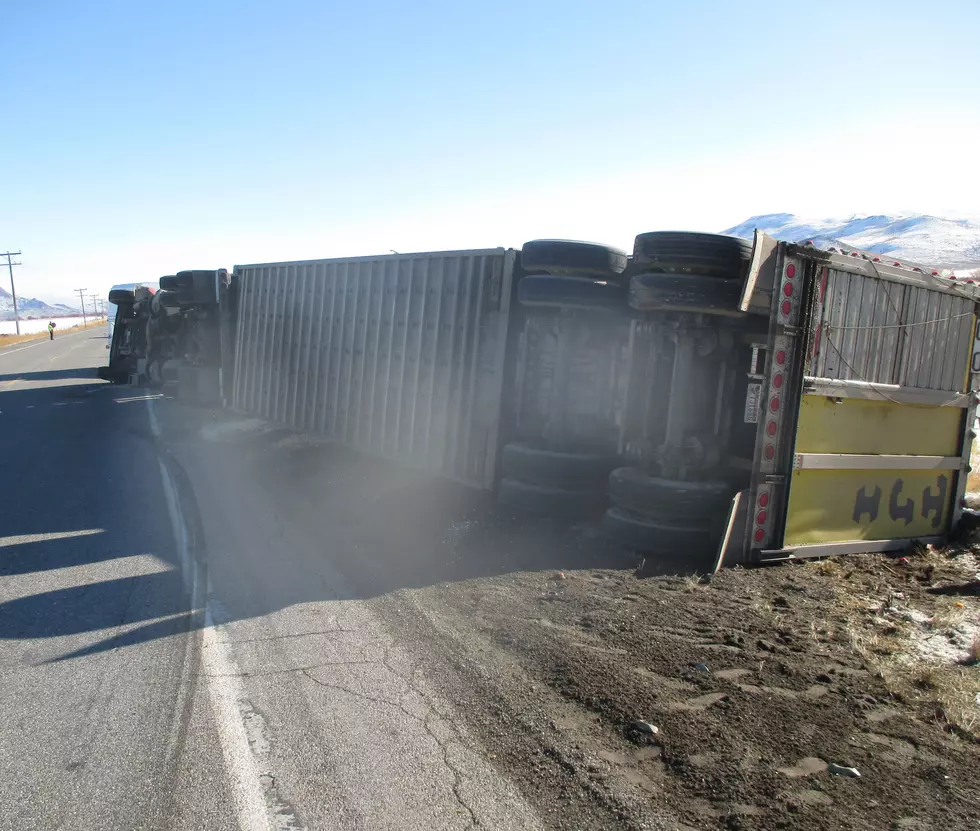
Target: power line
(13, 290)
(82, 301)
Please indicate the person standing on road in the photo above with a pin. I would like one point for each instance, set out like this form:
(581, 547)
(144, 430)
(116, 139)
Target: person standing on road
(51, 325)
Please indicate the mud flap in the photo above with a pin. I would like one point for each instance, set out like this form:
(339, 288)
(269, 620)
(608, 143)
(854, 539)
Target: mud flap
(731, 549)
(761, 279)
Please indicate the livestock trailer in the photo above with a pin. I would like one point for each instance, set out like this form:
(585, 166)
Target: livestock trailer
(736, 402)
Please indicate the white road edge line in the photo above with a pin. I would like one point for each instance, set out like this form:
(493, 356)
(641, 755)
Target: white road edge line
(224, 688)
(32, 345)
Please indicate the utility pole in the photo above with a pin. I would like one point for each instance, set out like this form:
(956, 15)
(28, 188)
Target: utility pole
(82, 301)
(13, 290)
(95, 306)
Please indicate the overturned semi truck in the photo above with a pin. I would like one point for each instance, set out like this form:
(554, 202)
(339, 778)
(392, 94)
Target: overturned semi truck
(708, 399)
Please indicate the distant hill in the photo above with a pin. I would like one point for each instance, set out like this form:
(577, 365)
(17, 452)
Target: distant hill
(31, 307)
(931, 240)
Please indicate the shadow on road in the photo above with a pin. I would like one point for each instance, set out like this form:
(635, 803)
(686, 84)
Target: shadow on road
(46, 554)
(50, 375)
(93, 606)
(179, 624)
(325, 510)
(86, 543)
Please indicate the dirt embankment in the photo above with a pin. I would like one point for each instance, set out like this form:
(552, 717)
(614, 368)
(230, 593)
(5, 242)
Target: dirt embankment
(728, 702)
(750, 700)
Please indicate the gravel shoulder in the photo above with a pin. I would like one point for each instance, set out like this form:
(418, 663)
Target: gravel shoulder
(667, 702)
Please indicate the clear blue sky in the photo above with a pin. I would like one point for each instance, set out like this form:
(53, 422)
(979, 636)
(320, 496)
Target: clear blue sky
(138, 141)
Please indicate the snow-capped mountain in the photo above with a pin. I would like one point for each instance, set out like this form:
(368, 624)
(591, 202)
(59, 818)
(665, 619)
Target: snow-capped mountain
(29, 307)
(919, 238)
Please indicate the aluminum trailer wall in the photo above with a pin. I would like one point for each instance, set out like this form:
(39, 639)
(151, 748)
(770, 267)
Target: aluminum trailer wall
(399, 356)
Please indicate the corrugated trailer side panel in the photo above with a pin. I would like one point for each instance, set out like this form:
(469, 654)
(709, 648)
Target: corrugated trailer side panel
(399, 356)
(885, 332)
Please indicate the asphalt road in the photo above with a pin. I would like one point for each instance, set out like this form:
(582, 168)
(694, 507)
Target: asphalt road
(174, 654)
(101, 727)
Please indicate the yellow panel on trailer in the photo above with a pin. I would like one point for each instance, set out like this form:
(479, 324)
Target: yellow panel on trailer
(855, 425)
(880, 501)
(841, 505)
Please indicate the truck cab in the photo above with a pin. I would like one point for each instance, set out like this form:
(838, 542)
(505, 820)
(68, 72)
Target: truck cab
(123, 325)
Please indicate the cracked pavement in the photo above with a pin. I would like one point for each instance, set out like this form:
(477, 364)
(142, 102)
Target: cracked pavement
(351, 734)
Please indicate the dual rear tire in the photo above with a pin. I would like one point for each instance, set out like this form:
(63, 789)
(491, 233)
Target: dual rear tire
(675, 521)
(573, 258)
(538, 480)
(563, 276)
(570, 274)
(685, 272)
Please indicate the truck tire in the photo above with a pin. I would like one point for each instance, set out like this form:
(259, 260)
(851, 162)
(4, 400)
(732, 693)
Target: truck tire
(121, 296)
(550, 291)
(169, 283)
(566, 469)
(572, 258)
(682, 544)
(638, 492)
(197, 287)
(692, 293)
(526, 497)
(710, 254)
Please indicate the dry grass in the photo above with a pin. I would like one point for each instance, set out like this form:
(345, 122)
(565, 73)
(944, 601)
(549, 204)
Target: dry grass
(948, 690)
(829, 566)
(694, 581)
(954, 689)
(10, 340)
(973, 653)
(892, 646)
(973, 481)
(948, 614)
